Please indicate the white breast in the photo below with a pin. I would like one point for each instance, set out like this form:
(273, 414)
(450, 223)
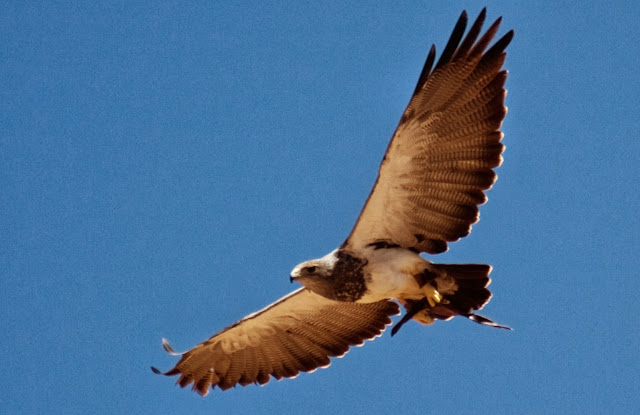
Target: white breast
(390, 274)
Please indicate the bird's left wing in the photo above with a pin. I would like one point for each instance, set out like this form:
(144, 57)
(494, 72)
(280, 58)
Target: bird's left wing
(297, 333)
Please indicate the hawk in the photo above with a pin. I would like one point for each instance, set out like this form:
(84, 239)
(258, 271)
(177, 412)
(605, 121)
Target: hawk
(431, 180)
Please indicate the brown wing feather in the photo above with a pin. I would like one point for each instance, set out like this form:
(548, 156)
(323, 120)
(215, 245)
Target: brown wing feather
(442, 155)
(297, 333)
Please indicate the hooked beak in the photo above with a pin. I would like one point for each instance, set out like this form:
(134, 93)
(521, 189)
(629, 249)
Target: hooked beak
(291, 279)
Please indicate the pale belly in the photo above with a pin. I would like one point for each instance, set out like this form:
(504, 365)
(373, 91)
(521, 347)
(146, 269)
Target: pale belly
(390, 274)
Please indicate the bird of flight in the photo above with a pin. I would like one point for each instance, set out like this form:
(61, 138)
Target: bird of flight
(430, 183)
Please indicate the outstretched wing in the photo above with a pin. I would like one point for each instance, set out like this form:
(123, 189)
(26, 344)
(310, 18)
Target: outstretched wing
(441, 157)
(297, 333)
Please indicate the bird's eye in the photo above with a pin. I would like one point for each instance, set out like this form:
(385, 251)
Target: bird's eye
(311, 270)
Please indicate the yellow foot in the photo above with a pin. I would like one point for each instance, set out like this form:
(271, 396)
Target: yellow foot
(432, 295)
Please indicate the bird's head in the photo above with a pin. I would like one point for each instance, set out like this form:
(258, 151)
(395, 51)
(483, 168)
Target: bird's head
(316, 275)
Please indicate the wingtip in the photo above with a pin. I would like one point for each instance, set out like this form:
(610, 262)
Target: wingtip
(167, 348)
(483, 13)
(509, 35)
(462, 21)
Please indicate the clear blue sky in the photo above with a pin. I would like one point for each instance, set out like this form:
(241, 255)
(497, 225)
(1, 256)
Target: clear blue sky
(164, 166)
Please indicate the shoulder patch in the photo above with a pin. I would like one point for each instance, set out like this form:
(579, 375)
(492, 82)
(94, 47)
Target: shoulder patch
(348, 275)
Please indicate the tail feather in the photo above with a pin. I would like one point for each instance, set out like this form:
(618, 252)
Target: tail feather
(463, 288)
(466, 272)
(471, 293)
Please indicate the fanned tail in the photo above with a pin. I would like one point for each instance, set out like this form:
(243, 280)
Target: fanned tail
(464, 290)
(471, 294)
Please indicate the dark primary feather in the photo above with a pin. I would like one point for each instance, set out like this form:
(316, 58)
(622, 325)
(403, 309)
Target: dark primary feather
(455, 37)
(442, 155)
(297, 333)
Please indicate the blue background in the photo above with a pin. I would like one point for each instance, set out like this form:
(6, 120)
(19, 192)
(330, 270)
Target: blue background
(163, 166)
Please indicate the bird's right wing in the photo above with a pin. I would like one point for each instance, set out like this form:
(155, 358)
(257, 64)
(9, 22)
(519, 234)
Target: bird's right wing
(297, 333)
(442, 155)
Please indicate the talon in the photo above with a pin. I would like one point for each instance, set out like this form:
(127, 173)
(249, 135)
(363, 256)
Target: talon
(432, 295)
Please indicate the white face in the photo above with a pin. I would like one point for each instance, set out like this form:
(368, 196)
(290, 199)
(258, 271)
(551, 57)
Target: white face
(309, 269)
(315, 275)
(316, 268)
